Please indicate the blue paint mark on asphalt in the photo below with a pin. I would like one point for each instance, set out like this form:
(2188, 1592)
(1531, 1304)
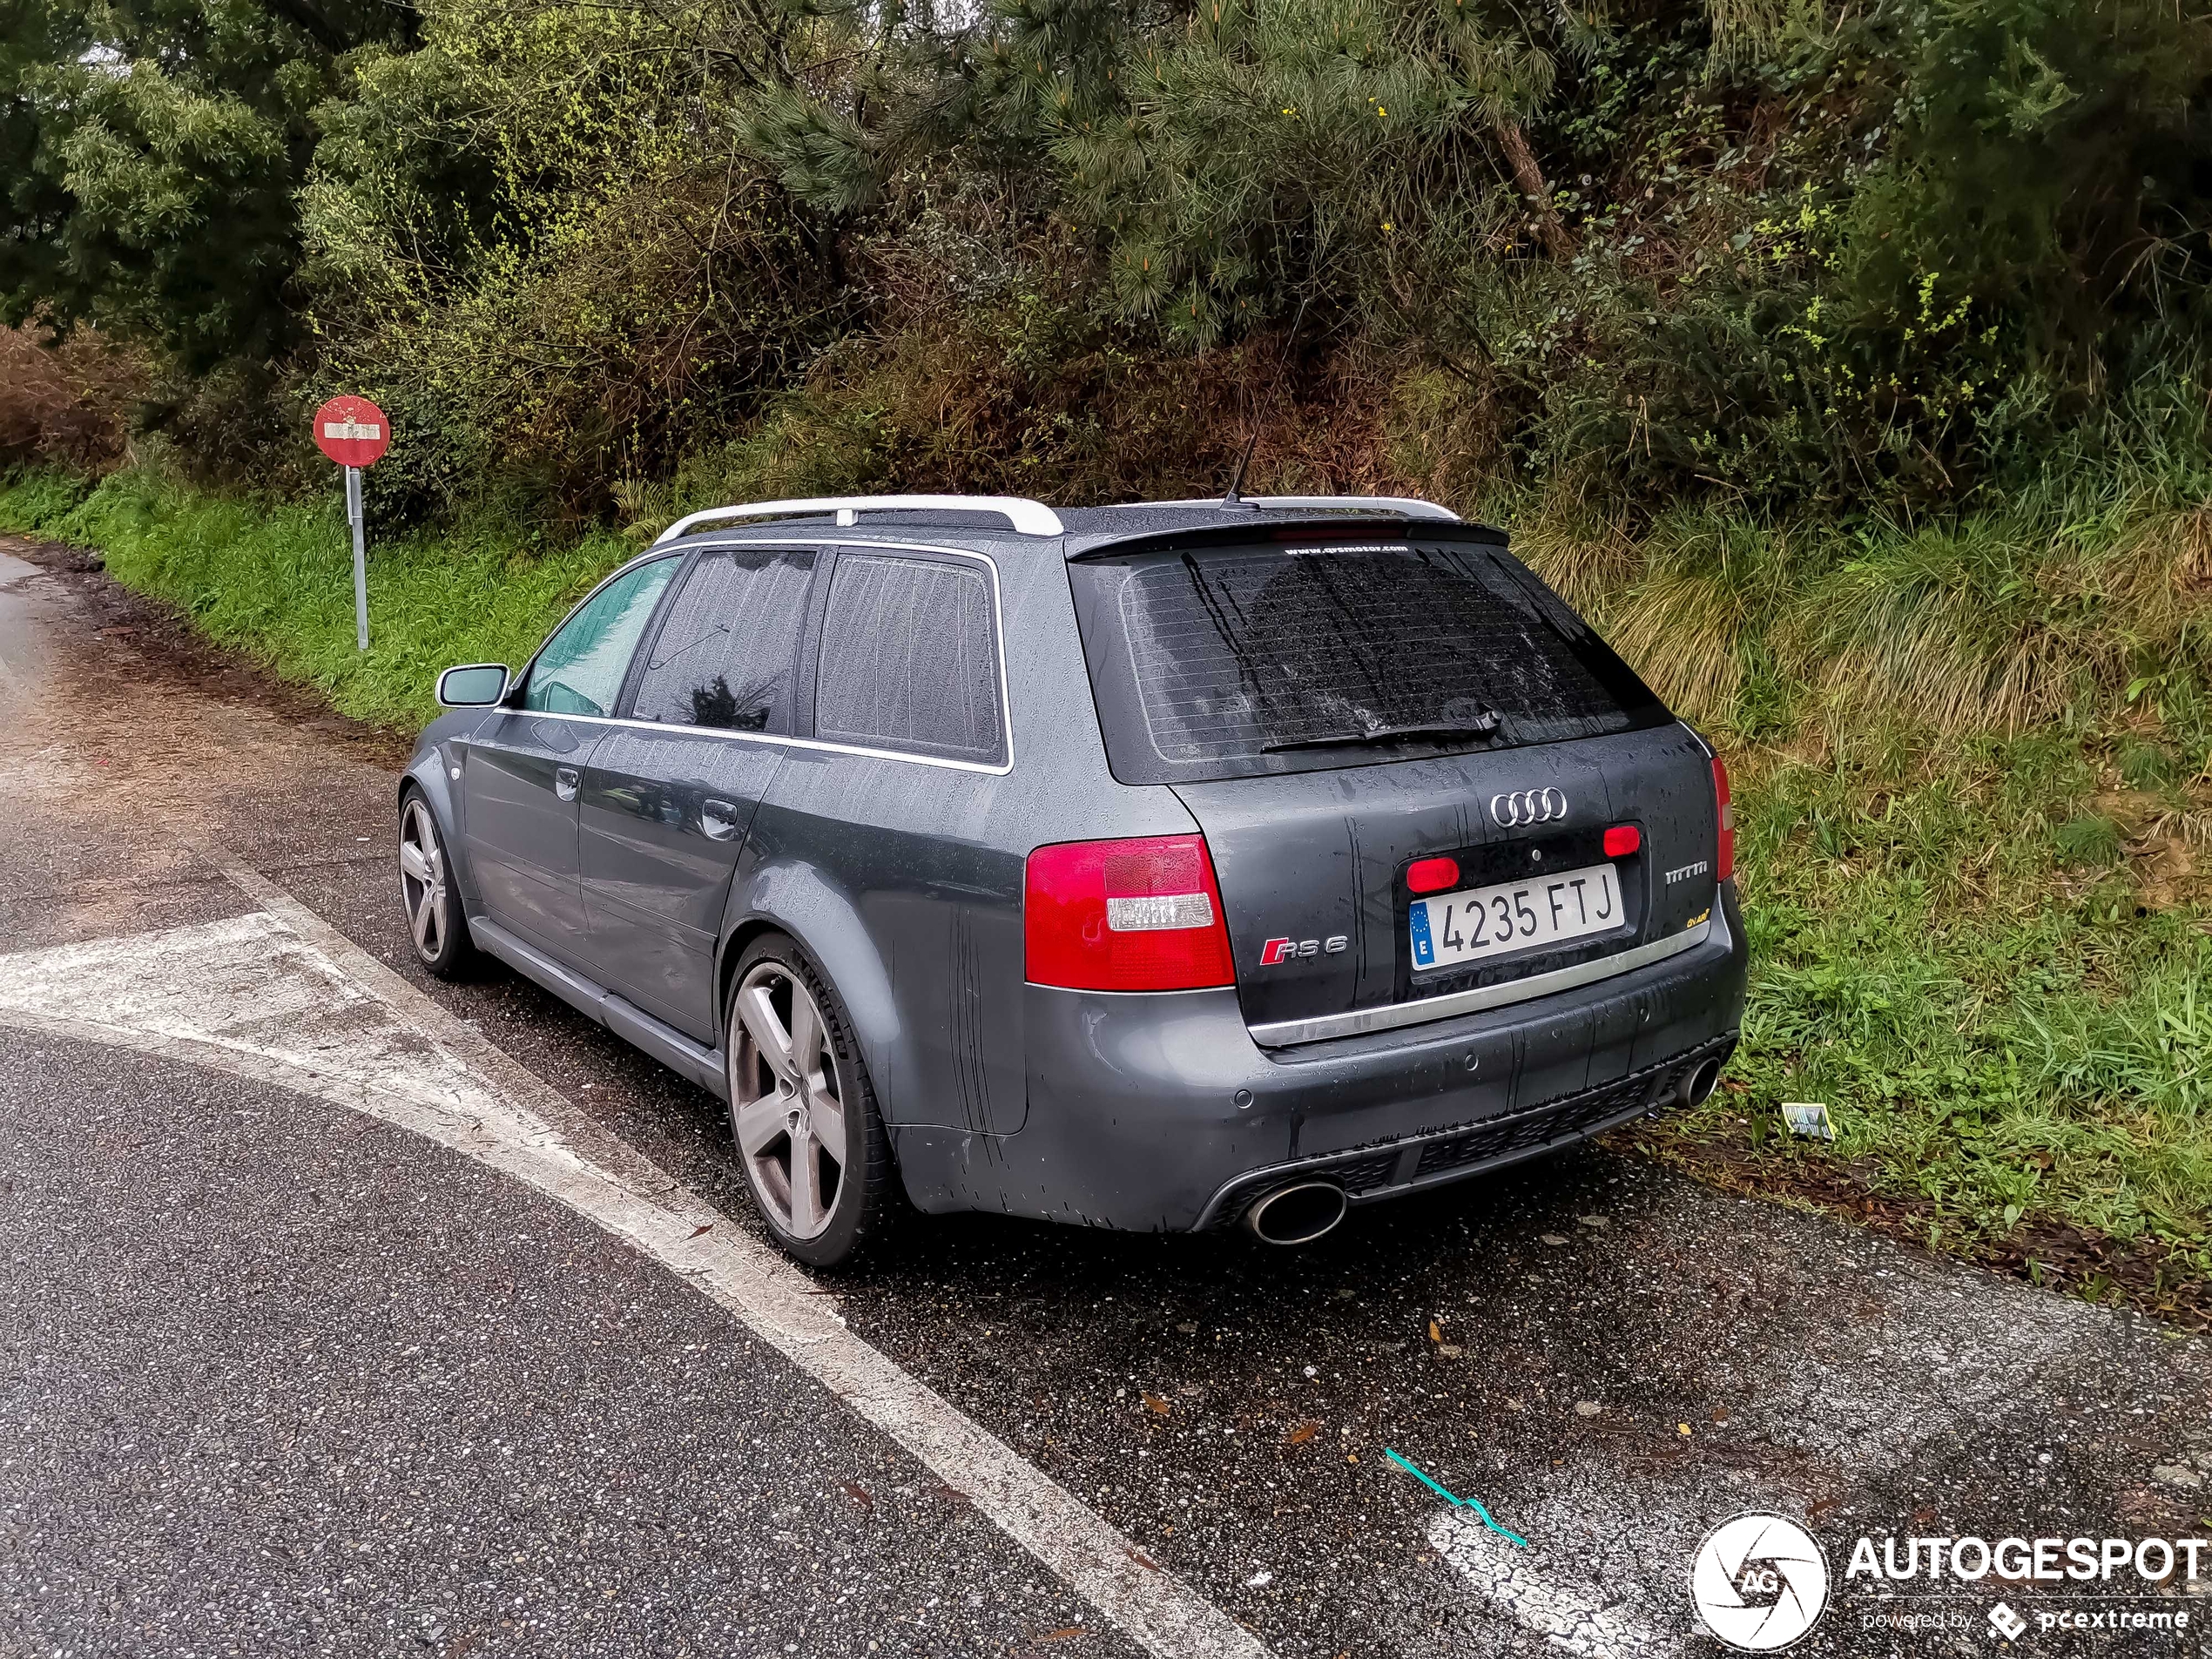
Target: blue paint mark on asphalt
(1474, 1504)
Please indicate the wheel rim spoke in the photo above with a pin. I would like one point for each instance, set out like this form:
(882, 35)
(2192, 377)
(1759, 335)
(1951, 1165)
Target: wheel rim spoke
(426, 921)
(805, 1037)
(806, 1185)
(759, 1122)
(826, 1118)
(414, 864)
(759, 1014)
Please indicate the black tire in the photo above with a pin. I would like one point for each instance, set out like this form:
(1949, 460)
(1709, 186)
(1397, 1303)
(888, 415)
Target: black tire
(784, 1105)
(428, 894)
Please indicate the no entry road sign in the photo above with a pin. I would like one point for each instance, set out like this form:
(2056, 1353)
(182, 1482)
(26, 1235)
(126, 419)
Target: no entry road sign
(353, 431)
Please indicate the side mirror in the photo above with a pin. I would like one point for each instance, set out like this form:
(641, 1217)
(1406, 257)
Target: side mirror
(478, 685)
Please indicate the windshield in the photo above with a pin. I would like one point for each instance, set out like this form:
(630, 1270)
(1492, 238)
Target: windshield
(1220, 662)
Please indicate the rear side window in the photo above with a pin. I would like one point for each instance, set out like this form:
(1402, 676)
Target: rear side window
(727, 656)
(909, 658)
(1227, 661)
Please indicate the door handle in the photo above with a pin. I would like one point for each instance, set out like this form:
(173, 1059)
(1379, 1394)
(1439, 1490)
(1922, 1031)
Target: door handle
(566, 781)
(718, 818)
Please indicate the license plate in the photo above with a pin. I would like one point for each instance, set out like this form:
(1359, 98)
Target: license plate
(1478, 922)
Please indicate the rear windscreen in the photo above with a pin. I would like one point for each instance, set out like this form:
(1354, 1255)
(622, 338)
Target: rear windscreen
(1224, 662)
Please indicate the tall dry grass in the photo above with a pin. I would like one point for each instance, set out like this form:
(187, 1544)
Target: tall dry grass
(66, 405)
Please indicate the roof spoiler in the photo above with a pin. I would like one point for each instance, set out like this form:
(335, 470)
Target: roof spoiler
(1027, 517)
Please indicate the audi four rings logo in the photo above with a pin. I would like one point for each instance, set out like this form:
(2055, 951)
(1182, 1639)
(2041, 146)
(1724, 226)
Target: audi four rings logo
(1528, 807)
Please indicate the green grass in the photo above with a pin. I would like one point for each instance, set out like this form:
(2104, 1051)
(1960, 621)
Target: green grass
(274, 580)
(2010, 1041)
(1978, 933)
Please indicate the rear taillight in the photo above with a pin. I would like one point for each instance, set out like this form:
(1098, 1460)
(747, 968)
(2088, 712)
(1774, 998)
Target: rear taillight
(1622, 840)
(1726, 859)
(1139, 915)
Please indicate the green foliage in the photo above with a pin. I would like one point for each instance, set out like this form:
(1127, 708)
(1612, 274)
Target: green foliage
(541, 240)
(1986, 1055)
(153, 149)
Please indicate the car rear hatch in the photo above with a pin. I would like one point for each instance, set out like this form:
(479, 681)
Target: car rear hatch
(1420, 776)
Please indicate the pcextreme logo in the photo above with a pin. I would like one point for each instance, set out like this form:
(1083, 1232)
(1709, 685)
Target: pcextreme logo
(1759, 1582)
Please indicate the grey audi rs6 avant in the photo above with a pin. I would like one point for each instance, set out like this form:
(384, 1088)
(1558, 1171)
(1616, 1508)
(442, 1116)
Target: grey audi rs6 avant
(1159, 866)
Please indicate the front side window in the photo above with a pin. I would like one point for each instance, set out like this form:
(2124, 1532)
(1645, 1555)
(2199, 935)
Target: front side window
(728, 655)
(580, 670)
(909, 658)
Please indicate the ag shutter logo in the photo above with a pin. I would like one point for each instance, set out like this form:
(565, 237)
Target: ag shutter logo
(2007, 1623)
(1759, 1582)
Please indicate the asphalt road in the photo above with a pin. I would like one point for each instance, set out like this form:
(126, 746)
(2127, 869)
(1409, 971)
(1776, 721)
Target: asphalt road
(345, 1313)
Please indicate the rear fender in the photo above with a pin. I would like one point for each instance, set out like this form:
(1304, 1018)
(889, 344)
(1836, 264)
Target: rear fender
(794, 898)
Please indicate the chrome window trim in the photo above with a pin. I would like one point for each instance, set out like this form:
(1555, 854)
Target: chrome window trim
(1282, 1034)
(998, 626)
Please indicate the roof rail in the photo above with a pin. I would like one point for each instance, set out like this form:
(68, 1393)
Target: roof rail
(1029, 517)
(1405, 506)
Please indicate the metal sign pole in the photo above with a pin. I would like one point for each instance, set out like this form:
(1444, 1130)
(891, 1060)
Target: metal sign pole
(354, 516)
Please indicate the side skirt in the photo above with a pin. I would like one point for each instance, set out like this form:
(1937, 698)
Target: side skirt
(633, 1024)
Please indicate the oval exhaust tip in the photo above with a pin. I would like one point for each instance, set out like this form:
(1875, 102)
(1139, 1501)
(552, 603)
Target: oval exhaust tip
(1297, 1215)
(1700, 1082)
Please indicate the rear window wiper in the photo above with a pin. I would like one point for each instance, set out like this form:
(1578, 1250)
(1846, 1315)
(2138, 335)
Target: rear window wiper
(1481, 726)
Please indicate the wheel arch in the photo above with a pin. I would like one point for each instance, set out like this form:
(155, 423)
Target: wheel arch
(826, 922)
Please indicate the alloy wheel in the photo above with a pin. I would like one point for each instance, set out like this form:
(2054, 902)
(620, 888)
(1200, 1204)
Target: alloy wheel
(423, 879)
(786, 1101)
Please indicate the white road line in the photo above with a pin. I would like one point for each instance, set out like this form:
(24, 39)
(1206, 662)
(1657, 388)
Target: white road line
(280, 997)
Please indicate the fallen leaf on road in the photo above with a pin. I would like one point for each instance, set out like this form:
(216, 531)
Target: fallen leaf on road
(1153, 1403)
(1587, 1408)
(1553, 1238)
(1598, 1222)
(1189, 1327)
(707, 1227)
(1301, 1431)
(859, 1494)
(1142, 1559)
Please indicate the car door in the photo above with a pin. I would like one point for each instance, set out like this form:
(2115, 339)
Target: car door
(669, 794)
(896, 803)
(523, 769)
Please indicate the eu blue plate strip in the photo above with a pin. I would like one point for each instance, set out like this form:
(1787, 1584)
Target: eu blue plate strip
(1474, 1504)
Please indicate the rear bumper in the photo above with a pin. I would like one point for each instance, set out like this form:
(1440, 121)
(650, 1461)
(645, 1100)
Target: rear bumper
(1418, 1162)
(1159, 1112)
